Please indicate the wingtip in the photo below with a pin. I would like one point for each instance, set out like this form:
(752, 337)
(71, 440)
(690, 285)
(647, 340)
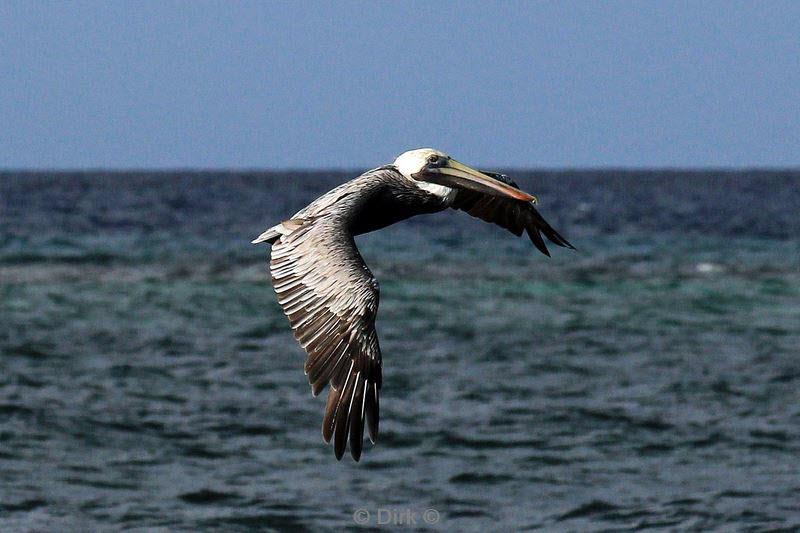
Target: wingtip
(536, 239)
(566, 244)
(559, 239)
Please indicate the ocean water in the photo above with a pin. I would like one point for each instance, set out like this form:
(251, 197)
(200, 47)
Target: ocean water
(648, 380)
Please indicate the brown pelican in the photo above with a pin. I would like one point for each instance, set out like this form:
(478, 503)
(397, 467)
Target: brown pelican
(331, 297)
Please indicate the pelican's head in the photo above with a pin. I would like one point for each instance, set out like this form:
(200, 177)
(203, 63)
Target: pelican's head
(440, 174)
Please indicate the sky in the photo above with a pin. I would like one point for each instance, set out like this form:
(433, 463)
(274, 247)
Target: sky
(170, 84)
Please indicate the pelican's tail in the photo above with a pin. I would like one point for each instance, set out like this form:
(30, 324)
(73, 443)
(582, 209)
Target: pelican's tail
(270, 236)
(284, 228)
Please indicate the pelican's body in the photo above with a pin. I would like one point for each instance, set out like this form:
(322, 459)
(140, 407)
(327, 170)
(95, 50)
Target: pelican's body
(331, 297)
(374, 200)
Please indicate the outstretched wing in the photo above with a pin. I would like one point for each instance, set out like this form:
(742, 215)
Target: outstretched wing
(514, 215)
(331, 299)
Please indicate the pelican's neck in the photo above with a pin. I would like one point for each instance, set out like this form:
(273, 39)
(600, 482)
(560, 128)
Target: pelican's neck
(445, 193)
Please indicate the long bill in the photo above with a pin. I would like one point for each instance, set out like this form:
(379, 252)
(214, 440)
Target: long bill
(458, 175)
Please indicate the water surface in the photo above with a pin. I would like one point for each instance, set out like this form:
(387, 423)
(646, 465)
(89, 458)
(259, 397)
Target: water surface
(649, 380)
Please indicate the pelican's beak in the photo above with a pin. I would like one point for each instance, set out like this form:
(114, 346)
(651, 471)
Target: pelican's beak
(460, 176)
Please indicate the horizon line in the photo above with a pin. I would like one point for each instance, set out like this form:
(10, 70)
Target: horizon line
(199, 169)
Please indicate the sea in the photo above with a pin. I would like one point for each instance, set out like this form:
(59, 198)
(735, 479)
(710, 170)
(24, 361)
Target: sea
(649, 380)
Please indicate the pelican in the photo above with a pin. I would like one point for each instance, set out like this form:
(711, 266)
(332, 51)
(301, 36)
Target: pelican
(331, 297)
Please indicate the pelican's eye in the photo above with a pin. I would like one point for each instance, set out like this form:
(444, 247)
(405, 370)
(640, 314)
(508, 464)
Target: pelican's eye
(433, 159)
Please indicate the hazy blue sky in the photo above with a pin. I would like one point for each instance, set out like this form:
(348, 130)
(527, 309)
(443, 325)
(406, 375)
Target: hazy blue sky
(351, 84)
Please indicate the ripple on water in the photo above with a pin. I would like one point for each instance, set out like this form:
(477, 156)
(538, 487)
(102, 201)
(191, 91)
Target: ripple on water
(594, 507)
(23, 506)
(478, 478)
(208, 496)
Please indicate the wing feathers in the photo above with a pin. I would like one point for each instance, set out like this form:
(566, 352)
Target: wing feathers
(516, 216)
(331, 299)
(372, 408)
(343, 413)
(330, 412)
(536, 239)
(357, 418)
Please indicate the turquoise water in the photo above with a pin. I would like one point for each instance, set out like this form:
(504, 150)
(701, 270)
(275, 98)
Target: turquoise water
(648, 380)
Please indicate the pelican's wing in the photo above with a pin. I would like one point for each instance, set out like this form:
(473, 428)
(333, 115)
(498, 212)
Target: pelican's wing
(331, 299)
(514, 215)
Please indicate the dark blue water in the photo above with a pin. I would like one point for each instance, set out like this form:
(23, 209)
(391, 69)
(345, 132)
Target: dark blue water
(649, 380)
